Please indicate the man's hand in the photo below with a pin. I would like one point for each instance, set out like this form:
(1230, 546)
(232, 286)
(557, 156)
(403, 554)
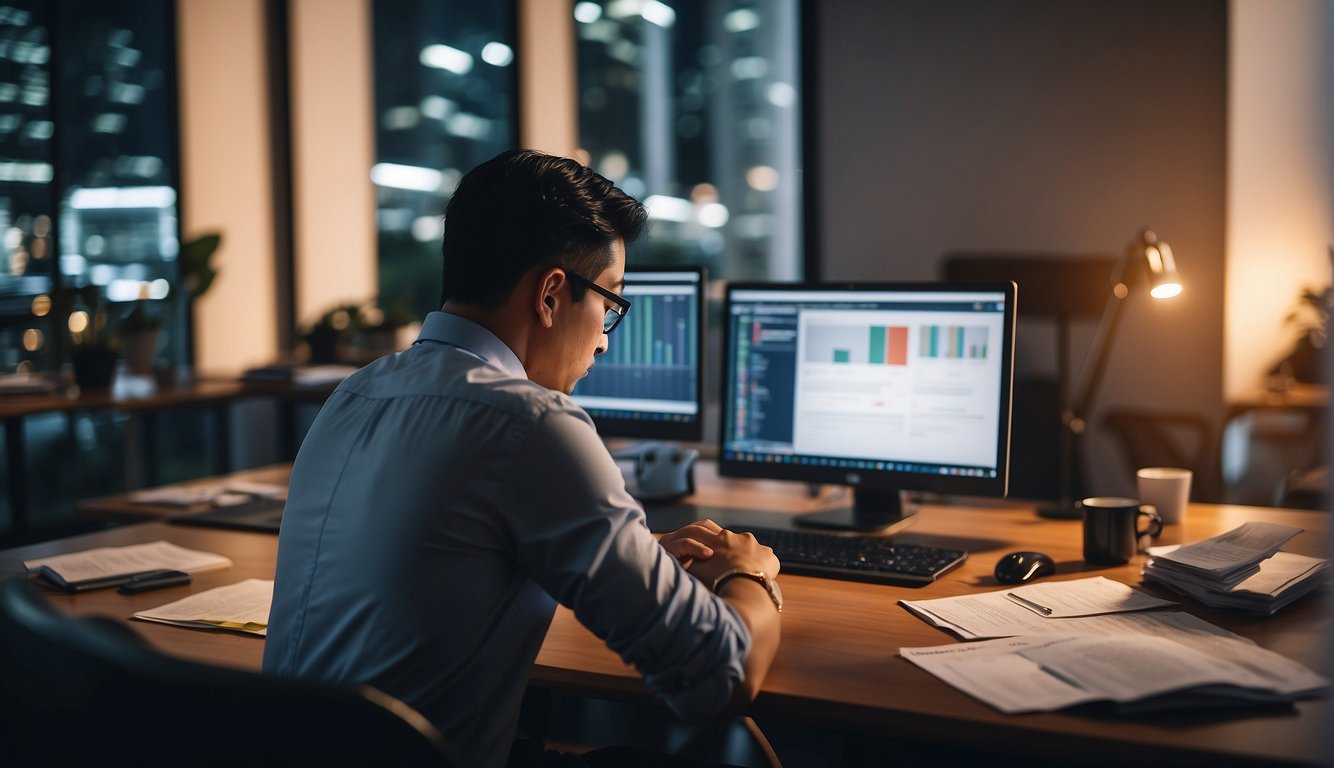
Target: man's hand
(686, 545)
(707, 549)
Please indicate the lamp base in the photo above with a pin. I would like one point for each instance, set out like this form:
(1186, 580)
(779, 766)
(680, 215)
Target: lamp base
(1060, 510)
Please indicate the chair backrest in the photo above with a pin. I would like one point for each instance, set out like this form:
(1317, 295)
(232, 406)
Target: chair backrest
(91, 691)
(1168, 439)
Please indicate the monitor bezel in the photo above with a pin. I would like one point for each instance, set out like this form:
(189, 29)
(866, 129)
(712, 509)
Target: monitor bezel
(681, 431)
(874, 480)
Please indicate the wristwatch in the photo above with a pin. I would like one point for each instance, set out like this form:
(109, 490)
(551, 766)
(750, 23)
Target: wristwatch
(770, 586)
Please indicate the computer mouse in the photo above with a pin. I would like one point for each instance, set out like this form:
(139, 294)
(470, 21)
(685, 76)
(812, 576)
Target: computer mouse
(1019, 567)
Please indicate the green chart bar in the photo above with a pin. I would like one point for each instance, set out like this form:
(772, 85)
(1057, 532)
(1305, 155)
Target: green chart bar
(877, 350)
(842, 355)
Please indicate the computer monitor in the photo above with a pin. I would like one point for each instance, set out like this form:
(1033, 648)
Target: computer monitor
(649, 382)
(883, 387)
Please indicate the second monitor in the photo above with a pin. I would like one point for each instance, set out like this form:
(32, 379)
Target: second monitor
(649, 382)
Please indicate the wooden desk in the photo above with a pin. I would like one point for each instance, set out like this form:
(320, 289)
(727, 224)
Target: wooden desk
(838, 666)
(120, 507)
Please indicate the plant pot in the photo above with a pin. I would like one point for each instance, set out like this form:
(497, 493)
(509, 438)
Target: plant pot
(93, 366)
(140, 351)
(323, 343)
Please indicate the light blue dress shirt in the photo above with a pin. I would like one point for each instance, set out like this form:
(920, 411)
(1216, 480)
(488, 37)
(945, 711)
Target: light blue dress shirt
(440, 506)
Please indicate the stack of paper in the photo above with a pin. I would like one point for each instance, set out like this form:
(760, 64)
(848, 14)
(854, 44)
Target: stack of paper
(1134, 671)
(1242, 569)
(1064, 643)
(110, 566)
(241, 607)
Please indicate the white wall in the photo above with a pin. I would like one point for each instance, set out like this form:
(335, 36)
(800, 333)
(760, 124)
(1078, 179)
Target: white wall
(1280, 223)
(225, 171)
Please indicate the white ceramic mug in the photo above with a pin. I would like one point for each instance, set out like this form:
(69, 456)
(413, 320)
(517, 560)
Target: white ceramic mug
(1167, 489)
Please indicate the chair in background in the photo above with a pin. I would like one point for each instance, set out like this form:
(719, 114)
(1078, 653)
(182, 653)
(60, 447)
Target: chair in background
(1165, 439)
(90, 691)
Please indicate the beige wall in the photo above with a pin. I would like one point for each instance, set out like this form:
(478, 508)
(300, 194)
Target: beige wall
(547, 77)
(1280, 221)
(225, 159)
(333, 148)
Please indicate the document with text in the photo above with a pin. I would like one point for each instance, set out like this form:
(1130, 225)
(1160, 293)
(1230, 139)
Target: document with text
(1032, 609)
(241, 607)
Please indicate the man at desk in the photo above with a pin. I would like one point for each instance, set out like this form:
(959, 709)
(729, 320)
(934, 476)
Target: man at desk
(448, 496)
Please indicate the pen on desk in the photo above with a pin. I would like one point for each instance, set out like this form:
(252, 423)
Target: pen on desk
(1035, 606)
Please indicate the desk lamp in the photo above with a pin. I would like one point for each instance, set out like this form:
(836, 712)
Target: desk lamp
(1164, 283)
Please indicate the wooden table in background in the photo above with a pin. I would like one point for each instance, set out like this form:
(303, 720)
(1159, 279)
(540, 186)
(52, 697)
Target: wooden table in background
(838, 665)
(140, 397)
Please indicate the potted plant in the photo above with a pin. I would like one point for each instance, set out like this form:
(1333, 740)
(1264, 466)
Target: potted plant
(139, 333)
(1311, 318)
(354, 333)
(92, 348)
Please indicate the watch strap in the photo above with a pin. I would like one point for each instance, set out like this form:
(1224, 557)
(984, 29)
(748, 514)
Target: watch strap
(759, 577)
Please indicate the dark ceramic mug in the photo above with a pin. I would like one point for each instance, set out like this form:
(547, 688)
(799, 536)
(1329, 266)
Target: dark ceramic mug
(1111, 528)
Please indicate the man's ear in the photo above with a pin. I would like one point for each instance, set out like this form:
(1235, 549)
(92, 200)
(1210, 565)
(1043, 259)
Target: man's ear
(547, 299)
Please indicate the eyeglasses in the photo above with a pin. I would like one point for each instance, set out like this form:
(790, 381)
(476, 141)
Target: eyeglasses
(614, 313)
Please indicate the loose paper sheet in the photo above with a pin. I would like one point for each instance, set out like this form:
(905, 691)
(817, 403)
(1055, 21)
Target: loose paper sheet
(994, 614)
(1043, 673)
(243, 606)
(1242, 546)
(115, 561)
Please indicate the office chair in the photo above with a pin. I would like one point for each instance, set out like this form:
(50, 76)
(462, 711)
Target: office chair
(1168, 439)
(90, 691)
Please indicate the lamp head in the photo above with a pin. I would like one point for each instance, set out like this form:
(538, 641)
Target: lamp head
(1164, 281)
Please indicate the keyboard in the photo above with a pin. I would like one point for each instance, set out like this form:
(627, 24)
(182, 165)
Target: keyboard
(857, 558)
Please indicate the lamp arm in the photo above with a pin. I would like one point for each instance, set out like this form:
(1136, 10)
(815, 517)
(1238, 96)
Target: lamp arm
(1100, 350)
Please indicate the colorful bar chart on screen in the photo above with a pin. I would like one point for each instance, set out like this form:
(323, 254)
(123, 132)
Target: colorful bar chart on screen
(652, 356)
(647, 382)
(953, 341)
(860, 345)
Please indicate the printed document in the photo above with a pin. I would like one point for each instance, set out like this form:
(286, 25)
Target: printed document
(1043, 673)
(243, 607)
(1018, 610)
(105, 562)
(1240, 548)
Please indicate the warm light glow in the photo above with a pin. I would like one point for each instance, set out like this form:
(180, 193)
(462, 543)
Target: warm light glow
(78, 321)
(762, 178)
(1165, 290)
(41, 305)
(32, 339)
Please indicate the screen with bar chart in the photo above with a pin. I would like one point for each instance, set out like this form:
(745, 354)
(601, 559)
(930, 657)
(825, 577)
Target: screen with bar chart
(648, 383)
(883, 387)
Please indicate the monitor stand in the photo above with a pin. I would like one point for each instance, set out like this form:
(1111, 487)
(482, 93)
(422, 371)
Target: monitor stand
(871, 512)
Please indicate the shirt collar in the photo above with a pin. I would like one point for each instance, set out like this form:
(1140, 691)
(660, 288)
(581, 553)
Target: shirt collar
(472, 338)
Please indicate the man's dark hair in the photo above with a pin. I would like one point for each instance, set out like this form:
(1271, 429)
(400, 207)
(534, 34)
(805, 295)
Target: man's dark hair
(525, 209)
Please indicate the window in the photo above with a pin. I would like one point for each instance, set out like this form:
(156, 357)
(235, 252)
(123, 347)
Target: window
(88, 170)
(444, 102)
(695, 108)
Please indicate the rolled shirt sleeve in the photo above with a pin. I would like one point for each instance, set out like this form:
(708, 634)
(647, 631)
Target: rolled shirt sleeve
(583, 538)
